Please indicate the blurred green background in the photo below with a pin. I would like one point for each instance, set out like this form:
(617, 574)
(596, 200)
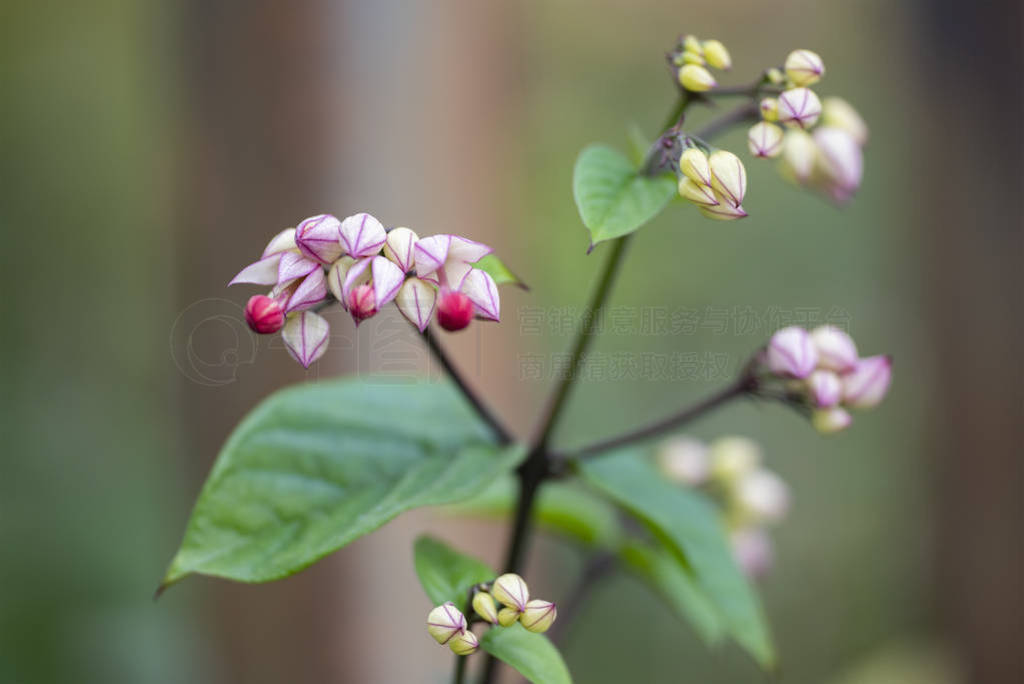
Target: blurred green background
(150, 148)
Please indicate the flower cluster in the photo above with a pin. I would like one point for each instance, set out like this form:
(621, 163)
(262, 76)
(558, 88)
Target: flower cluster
(830, 159)
(362, 265)
(715, 183)
(504, 602)
(690, 58)
(822, 367)
(751, 497)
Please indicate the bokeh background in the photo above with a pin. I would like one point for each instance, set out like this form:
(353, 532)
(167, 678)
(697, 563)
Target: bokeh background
(149, 148)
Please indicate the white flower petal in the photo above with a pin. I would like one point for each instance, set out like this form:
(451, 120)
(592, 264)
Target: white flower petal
(468, 251)
(416, 300)
(362, 235)
(431, 253)
(387, 279)
(294, 266)
(262, 272)
(310, 292)
(400, 248)
(483, 292)
(282, 242)
(306, 335)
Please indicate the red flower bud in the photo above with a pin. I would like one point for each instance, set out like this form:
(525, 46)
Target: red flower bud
(362, 302)
(454, 311)
(264, 315)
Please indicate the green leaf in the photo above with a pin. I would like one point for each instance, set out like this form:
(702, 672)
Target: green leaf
(496, 268)
(446, 574)
(316, 466)
(690, 524)
(563, 509)
(613, 199)
(660, 570)
(532, 655)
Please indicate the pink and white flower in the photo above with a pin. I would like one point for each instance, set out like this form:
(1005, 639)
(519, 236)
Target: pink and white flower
(369, 284)
(839, 162)
(445, 259)
(319, 238)
(824, 388)
(361, 235)
(790, 353)
(305, 336)
(867, 384)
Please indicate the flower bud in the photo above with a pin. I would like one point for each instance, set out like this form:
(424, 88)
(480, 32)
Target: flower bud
(769, 107)
(836, 350)
(752, 550)
(831, 420)
(507, 617)
(775, 76)
(723, 211)
(684, 460)
(264, 315)
(305, 335)
(445, 621)
(454, 310)
(416, 301)
(866, 385)
(510, 590)
(804, 67)
(317, 238)
(791, 354)
(693, 163)
(764, 140)
(716, 55)
(840, 161)
(838, 113)
(538, 615)
(282, 242)
(692, 44)
(689, 57)
(762, 496)
(798, 155)
(696, 78)
(361, 302)
(824, 388)
(483, 604)
(728, 176)
(464, 643)
(799, 107)
(336, 277)
(699, 194)
(733, 457)
(362, 235)
(400, 248)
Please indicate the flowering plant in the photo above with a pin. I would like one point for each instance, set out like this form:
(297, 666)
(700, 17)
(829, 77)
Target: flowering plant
(314, 467)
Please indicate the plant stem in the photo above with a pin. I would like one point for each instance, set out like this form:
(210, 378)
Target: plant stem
(503, 435)
(745, 112)
(460, 669)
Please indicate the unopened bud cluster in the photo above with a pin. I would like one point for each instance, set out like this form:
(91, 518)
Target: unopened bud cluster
(504, 603)
(691, 58)
(715, 183)
(825, 370)
(730, 470)
(362, 265)
(830, 158)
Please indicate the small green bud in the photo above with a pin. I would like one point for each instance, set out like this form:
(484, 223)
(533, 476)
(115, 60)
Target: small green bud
(696, 78)
(538, 615)
(716, 55)
(775, 76)
(511, 590)
(507, 617)
(692, 44)
(692, 58)
(483, 604)
(464, 644)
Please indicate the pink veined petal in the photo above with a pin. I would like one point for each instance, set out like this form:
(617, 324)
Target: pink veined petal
(282, 242)
(362, 235)
(416, 300)
(483, 292)
(294, 266)
(305, 335)
(467, 250)
(431, 253)
(262, 272)
(358, 274)
(310, 292)
(387, 279)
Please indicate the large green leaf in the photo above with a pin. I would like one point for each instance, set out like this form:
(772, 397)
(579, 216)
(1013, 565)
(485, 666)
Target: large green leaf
(660, 570)
(613, 199)
(496, 268)
(690, 524)
(446, 574)
(316, 466)
(532, 655)
(560, 508)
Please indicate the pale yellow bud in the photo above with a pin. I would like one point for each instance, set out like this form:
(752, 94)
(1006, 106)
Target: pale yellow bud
(769, 109)
(692, 44)
(723, 211)
(507, 617)
(445, 622)
(804, 67)
(336, 277)
(716, 55)
(775, 76)
(694, 165)
(692, 58)
(728, 176)
(798, 155)
(765, 140)
(733, 457)
(838, 113)
(696, 78)
(698, 193)
(464, 644)
(483, 604)
(799, 107)
(538, 615)
(511, 590)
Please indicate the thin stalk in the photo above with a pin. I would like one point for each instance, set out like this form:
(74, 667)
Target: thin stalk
(460, 669)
